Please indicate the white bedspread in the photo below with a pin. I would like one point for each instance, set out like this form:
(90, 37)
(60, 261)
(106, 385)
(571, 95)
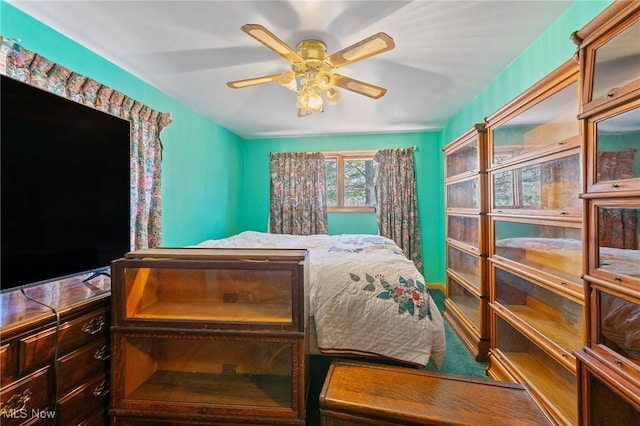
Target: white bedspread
(366, 297)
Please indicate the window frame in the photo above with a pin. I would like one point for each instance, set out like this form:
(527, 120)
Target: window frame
(340, 157)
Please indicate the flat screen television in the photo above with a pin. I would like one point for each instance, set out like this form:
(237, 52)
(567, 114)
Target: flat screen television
(65, 185)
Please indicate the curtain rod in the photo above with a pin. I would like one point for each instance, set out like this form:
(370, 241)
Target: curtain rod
(355, 151)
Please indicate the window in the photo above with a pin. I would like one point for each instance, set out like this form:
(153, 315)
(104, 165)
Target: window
(349, 181)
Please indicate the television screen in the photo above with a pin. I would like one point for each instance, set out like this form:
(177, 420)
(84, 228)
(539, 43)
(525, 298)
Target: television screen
(64, 186)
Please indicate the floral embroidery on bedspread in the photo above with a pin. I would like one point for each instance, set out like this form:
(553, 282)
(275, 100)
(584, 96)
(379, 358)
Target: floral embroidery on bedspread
(365, 243)
(411, 295)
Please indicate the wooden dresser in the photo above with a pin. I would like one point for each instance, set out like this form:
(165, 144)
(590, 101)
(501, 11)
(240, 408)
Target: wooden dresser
(357, 393)
(209, 336)
(54, 353)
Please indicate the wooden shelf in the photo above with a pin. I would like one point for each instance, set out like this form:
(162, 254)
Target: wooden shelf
(219, 389)
(556, 331)
(547, 383)
(236, 312)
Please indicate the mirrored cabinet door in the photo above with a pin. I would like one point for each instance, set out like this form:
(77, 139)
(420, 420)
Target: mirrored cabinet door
(614, 153)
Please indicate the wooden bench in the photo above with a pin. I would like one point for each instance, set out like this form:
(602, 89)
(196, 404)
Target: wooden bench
(357, 393)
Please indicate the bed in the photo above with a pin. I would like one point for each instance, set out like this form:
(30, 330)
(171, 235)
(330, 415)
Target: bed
(365, 297)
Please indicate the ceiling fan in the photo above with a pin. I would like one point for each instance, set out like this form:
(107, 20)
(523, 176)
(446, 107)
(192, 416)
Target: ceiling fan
(312, 68)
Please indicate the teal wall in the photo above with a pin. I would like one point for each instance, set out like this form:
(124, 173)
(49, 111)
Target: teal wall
(215, 184)
(202, 162)
(429, 172)
(547, 52)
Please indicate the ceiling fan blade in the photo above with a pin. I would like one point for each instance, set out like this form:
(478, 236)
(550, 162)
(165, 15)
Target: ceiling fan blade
(370, 46)
(359, 87)
(239, 84)
(267, 38)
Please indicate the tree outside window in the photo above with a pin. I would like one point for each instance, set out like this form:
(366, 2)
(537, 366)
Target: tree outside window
(349, 181)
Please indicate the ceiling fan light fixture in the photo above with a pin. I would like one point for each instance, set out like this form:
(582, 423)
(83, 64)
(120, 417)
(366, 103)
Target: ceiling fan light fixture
(333, 96)
(312, 69)
(314, 101)
(288, 80)
(324, 79)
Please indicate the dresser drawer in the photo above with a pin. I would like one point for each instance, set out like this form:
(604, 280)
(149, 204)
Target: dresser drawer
(99, 419)
(25, 399)
(81, 364)
(8, 367)
(84, 402)
(38, 349)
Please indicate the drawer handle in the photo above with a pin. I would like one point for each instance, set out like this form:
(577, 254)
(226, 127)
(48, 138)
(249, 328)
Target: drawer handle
(94, 326)
(617, 362)
(103, 353)
(15, 404)
(101, 390)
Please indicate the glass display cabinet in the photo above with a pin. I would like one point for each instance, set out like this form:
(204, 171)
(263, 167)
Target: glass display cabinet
(215, 334)
(466, 229)
(543, 373)
(550, 251)
(546, 316)
(609, 363)
(528, 128)
(540, 188)
(464, 194)
(536, 296)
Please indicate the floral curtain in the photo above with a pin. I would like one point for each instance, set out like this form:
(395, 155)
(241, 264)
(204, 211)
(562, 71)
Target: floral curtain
(298, 195)
(618, 228)
(397, 209)
(146, 126)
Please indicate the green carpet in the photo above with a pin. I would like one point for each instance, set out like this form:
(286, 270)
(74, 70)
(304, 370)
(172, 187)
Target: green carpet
(458, 359)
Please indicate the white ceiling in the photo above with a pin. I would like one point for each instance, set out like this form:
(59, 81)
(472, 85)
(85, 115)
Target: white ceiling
(446, 52)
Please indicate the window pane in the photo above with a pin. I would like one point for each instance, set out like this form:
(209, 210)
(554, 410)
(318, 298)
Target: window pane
(358, 183)
(331, 185)
(503, 189)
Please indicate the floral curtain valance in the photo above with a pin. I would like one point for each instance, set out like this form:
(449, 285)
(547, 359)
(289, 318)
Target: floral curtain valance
(146, 125)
